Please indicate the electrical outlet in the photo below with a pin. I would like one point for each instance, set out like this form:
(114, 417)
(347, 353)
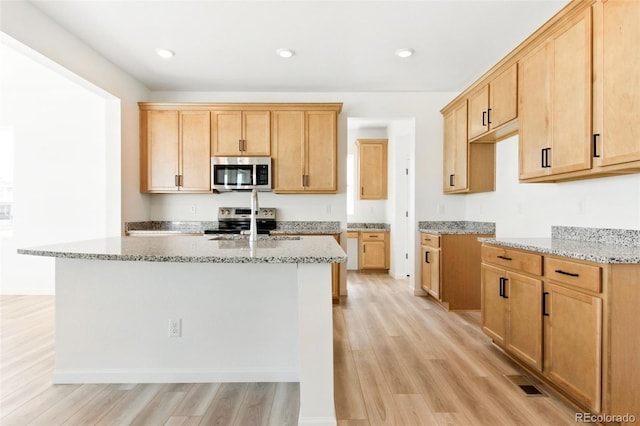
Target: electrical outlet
(175, 327)
(193, 209)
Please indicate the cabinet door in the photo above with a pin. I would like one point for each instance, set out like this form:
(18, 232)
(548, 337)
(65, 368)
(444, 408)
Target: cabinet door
(226, 132)
(503, 98)
(573, 339)
(372, 162)
(372, 255)
(571, 97)
(534, 113)
(162, 138)
(478, 109)
(195, 156)
(456, 150)
(288, 134)
(256, 133)
(493, 311)
(433, 257)
(620, 83)
(321, 151)
(524, 312)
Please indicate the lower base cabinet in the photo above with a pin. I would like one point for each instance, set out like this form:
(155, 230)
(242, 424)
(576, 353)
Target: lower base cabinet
(374, 251)
(571, 323)
(450, 269)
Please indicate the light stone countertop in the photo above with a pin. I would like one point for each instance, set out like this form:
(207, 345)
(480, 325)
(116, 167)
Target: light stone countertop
(198, 228)
(456, 227)
(368, 227)
(199, 249)
(575, 249)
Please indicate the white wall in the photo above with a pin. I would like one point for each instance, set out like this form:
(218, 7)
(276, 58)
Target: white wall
(22, 25)
(60, 170)
(530, 209)
(85, 206)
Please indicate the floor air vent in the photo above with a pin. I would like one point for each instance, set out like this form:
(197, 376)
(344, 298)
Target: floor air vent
(525, 385)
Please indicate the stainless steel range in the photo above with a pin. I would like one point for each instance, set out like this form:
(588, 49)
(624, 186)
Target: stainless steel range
(234, 220)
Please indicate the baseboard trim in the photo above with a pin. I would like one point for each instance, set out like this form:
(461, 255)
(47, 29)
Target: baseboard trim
(317, 421)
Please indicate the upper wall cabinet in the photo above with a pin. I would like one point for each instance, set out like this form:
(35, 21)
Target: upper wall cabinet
(372, 169)
(240, 133)
(493, 107)
(177, 141)
(555, 103)
(577, 85)
(467, 167)
(174, 147)
(305, 151)
(616, 123)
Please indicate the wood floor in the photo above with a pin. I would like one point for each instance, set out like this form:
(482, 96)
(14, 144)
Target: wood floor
(399, 359)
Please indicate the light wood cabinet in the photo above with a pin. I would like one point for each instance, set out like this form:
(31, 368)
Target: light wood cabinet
(241, 133)
(573, 341)
(573, 327)
(451, 269)
(511, 306)
(494, 105)
(555, 103)
(430, 269)
(372, 169)
(616, 84)
(305, 151)
(374, 250)
(175, 153)
(468, 167)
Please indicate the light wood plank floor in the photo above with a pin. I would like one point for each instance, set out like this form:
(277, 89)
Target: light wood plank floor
(399, 359)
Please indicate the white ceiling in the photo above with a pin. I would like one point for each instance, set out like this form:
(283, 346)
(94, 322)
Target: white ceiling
(340, 45)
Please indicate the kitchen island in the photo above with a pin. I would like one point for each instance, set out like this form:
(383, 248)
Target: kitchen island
(236, 311)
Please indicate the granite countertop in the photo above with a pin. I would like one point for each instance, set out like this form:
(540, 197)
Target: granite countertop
(199, 249)
(198, 228)
(593, 244)
(368, 227)
(456, 227)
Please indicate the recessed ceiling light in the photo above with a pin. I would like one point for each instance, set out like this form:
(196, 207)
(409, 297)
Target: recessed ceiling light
(404, 53)
(285, 53)
(165, 53)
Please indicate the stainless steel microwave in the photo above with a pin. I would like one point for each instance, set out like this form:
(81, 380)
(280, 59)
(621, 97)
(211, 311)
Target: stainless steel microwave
(240, 173)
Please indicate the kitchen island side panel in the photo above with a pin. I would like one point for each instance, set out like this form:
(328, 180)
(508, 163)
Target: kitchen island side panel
(239, 322)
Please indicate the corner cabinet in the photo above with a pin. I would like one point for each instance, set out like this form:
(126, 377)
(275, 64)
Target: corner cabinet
(467, 167)
(240, 133)
(572, 323)
(304, 151)
(372, 169)
(174, 151)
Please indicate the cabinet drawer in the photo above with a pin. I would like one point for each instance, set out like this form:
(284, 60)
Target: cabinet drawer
(576, 274)
(372, 236)
(514, 259)
(430, 240)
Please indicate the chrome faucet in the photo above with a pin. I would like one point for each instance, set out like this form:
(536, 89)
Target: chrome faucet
(253, 227)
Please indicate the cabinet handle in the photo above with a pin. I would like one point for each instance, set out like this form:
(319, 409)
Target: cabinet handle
(426, 257)
(544, 304)
(545, 158)
(501, 287)
(548, 163)
(504, 258)
(571, 274)
(489, 116)
(484, 116)
(364, 248)
(177, 180)
(595, 145)
(362, 190)
(305, 180)
(181, 180)
(452, 180)
(504, 287)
